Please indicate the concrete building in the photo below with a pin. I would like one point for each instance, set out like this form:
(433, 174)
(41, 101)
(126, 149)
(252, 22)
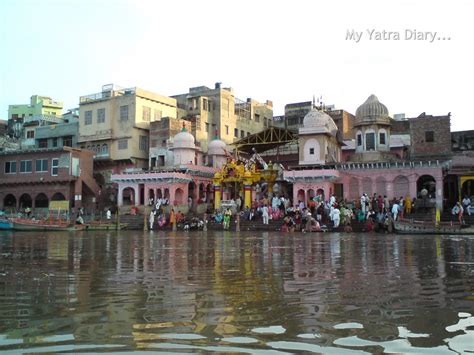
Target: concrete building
(115, 123)
(218, 111)
(34, 178)
(57, 135)
(39, 108)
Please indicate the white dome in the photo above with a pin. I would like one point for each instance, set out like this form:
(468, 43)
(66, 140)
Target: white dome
(216, 147)
(319, 119)
(184, 139)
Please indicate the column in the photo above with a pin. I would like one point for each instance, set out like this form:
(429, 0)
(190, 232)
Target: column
(247, 193)
(439, 192)
(120, 196)
(217, 195)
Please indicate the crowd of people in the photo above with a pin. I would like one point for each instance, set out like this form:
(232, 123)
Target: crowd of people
(374, 212)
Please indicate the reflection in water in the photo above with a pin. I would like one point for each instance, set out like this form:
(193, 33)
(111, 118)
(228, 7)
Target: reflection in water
(236, 292)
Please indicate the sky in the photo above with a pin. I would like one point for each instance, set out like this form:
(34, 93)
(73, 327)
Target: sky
(283, 51)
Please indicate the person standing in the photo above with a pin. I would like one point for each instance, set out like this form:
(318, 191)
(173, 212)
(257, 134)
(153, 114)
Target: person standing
(108, 214)
(227, 215)
(395, 208)
(336, 217)
(407, 205)
(363, 201)
(265, 214)
(172, 219)
(152, 219)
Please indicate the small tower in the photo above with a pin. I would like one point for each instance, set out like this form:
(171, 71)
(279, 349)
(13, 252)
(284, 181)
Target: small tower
(372, 130)
(184, 148)
(318, 143)
(216, 152)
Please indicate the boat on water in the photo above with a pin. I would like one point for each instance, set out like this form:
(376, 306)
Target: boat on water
(25, 224)
(5, 224)
(424, 227)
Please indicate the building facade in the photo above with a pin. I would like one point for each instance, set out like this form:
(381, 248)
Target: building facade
(218, 112)
(40, 107)
(34, 178)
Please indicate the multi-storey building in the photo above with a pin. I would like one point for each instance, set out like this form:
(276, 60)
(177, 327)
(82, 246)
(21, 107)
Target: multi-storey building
(115, 122)
(34, 178)
(218, 112)
(40, 108)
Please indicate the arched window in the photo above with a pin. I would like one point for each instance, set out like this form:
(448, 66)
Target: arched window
(105, 149)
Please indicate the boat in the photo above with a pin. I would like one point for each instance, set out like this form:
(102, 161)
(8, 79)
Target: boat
(25, 224)
(99, 226)
(5, 224)
(428, 227)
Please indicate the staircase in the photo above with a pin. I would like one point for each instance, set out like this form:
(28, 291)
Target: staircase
(134, 222)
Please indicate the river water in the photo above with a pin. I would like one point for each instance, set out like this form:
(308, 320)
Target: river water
(263, 293)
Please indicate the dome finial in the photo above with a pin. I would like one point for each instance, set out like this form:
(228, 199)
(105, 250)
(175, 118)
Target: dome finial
(184, 128)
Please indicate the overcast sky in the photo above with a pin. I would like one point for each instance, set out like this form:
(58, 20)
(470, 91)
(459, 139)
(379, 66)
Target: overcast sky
(284, 51)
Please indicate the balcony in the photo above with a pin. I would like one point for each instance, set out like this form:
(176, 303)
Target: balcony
(99, 135)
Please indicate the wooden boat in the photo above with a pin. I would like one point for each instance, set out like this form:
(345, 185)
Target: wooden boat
(99, 226)
(25, 224)
(424, 227)
(5, 224)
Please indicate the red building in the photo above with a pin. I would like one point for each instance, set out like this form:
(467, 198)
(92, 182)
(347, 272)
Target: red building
(34, 178)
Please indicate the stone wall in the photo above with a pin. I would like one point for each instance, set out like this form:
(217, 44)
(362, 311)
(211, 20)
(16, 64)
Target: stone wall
(427, 144)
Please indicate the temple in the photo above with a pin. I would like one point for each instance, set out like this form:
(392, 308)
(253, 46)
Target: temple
(377, 156)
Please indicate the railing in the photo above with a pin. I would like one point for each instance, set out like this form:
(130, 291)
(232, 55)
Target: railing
(47, 118)
(392, 165)
(105, 95)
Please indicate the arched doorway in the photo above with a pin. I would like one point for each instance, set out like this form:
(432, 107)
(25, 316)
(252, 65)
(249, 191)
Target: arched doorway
(41, 201)
(400, 186)
(311, 194)
(166, 194)
(209, 194)
(26, 201)
(380, 186)
(367, 186)
(202, 194)
(58, 197)
(178, 196)
(354, 192)
(128, 196)
(9, 202)
(151, 196)
(320, 193)
(467, 188)
(300, 197)
(428, 183)
(191, 195)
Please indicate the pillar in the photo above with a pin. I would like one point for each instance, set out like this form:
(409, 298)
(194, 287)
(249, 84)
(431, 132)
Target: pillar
(120, 196)
(439, 193)
(247, 194)
(217, 195)
(145, 194)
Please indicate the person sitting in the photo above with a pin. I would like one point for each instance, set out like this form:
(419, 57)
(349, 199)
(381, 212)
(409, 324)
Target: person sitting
(218, 217)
